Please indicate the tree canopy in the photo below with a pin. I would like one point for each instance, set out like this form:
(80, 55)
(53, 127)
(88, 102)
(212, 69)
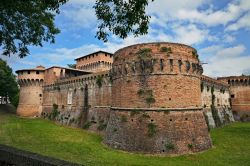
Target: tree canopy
(8, 84)
(31, 22)
(121, 17)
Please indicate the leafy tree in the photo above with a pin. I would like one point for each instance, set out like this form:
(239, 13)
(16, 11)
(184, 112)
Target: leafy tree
(121, 17)
(8, 84)
(29, 22)
(73, 66)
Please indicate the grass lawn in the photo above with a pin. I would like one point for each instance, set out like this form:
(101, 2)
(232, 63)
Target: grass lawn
(231, 145)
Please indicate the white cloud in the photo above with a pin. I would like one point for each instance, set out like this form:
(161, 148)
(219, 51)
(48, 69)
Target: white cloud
(226, 61)
(190, 34)
(79, 14)
(243, 22)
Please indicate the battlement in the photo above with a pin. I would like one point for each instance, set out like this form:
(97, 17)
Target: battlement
(79, 81)
(156, 59)
(95, 62)
(214, 82)
(236, 80)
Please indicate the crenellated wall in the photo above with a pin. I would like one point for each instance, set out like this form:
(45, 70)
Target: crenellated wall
(216, 101)
(79, 99)
(159, 84)
(240, 96)
(163, 70)
(154, 99)
(31, 92)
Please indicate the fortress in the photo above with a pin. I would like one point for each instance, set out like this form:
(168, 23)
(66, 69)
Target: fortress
(148, 97)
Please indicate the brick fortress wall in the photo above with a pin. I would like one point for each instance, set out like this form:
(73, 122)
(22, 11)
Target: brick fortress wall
(30, 100)
(215, 98)
(156, 100)
(240, 96)
(80, 100)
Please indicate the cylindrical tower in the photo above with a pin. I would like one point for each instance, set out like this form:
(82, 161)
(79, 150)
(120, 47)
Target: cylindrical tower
(156, 100)
(31, 93)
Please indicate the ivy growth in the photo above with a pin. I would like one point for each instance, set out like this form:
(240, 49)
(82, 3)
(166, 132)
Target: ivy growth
(214, 111)
(152, 129)
(169, 146)
(166, 50)
(144, 53)
(99, 80)
(101, 126)
(124, 118)
(86, 125)
(54, 112)
(195, 54)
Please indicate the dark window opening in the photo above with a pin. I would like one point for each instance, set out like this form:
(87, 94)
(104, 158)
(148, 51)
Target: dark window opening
(161, 64)
(40, 95)
(232, 96)
(28, 72)
(37, 72)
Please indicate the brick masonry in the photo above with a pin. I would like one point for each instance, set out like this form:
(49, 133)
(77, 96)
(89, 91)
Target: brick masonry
(160, 82)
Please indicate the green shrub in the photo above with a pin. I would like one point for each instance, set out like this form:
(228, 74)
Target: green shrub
(150, 99)
(195, 54)
(166, 49)
(140, 92)
(101, 126)
(54, 112)
(169, 146)
(152, 129)
(124, 118)
(86, 125)
(144, 53)
(134, 112)
(190, 146)
(99, 80)
(145, 115)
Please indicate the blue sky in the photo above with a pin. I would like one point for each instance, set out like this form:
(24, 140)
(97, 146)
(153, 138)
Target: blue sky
(219, 30)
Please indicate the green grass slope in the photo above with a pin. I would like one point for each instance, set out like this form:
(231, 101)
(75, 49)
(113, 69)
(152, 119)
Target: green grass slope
(231, 145)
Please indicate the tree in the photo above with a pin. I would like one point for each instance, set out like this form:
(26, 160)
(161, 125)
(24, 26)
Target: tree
(73, 66)
(121, 17)
(8, 84)
(24, 23)
(31, 22)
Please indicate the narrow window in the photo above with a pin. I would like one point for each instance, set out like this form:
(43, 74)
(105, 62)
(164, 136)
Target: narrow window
(161, 64)
(171, 62)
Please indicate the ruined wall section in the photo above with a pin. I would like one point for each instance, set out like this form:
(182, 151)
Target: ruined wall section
(220, 102)
(240, 96)
(79, 99)
(156, 100)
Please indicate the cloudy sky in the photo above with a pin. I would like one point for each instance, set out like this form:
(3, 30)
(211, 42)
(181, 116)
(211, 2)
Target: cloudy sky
(219, 30)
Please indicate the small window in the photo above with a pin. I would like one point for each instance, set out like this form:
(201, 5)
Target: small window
(40, 95)
(28, 72)
(232, 96)
(37, 72)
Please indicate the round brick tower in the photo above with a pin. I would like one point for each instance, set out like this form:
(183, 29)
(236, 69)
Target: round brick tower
(30, 100)
(156, 100)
